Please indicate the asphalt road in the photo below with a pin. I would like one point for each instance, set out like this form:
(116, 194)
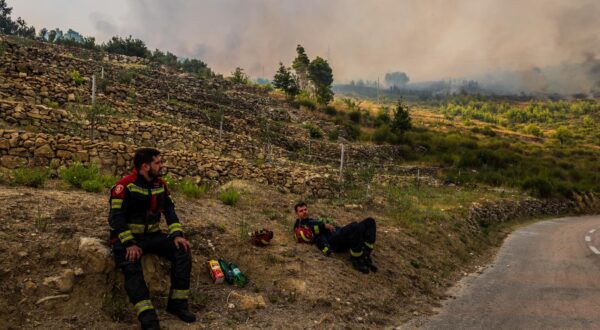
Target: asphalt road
(545, 276)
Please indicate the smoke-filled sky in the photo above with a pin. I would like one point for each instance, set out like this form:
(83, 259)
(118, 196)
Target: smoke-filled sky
(428, 39)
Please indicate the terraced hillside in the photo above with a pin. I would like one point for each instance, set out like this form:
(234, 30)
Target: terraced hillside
(55, 268)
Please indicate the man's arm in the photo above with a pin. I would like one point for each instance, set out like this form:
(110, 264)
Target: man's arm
(318, 228)
(117, 217)
(175, 227)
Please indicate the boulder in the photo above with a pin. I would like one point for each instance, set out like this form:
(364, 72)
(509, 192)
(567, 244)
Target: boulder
(63, 283)
(247, 302)
(96, 255)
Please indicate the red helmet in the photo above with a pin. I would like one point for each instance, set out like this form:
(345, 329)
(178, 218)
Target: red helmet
(261, 237)
(303, 235)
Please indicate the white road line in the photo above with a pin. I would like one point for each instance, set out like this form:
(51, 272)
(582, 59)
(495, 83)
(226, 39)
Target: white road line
(593, 248)
(592, 231)
(588, 239)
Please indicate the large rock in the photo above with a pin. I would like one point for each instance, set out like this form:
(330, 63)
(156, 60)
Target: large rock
(247, 302)
(63, 283)
(96, 255)
(156, 274)
(13, 162)
(44, 151)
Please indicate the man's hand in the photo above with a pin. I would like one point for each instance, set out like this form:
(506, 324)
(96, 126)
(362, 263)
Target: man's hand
(133, 253)
(182, 243)
(329, 227)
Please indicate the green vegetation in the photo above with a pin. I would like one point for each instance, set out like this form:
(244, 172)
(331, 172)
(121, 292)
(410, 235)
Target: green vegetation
(303, 99)
(31, 177)
(125, 77)
(52, 104)
(313, 131)
(239, 76)
(2, 47)
(87, 177)
(189, 189)
(321, 75)
(76, 77)
(505, 113)
(229, 196)
(286, 81)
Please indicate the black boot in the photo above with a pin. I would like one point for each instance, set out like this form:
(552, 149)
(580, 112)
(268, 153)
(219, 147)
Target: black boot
(179, 308)
(369, 263)
(359, 264)
(149, 320)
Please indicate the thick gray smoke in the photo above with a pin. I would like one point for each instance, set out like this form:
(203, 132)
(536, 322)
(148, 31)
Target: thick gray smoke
(428, 39)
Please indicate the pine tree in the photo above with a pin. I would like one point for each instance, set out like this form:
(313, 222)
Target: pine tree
(321, 75)
(285, 80)
(300, 65)
(401, 122)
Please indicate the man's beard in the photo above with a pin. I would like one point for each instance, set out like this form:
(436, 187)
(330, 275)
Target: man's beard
(154, 174)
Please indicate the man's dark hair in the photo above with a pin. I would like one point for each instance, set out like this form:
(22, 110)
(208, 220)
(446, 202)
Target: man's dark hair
(299, 204)
(144, 156)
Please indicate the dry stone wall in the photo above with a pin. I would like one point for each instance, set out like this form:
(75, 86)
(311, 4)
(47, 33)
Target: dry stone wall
(22, 149)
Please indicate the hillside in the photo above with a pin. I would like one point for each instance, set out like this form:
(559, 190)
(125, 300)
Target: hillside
(432, 228)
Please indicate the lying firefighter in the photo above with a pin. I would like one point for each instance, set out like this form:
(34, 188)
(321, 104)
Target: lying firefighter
(136, 204)
(358, 237)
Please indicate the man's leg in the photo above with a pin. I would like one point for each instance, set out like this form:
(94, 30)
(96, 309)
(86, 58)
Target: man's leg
(181, 267)
(369, 235)
(136, 288)
(351, 237)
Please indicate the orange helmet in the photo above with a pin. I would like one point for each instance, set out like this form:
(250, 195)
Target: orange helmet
(303, 235)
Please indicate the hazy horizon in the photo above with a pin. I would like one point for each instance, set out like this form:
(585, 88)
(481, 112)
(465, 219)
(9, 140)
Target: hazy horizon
(429, 40)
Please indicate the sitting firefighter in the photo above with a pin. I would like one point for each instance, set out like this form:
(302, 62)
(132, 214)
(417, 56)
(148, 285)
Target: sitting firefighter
(358, 237)
(136, 204)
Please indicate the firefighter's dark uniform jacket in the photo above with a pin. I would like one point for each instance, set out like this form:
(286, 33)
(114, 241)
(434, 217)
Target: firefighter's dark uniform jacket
(136, 205)
(321, 235)
(358, 237)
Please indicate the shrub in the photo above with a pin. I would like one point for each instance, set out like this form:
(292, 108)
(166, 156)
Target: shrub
(77, 78)
(539, 186)
(190, 189)
(355, 116)
(92, 186)
(230, 196)
(333, 135)
(383, 134)
(52, 104)
(304, 99)
(78, 173)
(125, 77)
(330, 110)
(313, 131)
(352, 131)
(31, 177)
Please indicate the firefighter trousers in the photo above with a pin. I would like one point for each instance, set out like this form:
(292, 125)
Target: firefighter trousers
(163, 246)
(358, 237)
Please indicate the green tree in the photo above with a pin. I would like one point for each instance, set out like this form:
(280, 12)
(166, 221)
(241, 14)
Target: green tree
(285, 80)
(300, 65)
(397, 79)
(128, 46)
(239, 76)
(42, 33)
(321, 75)
(401, 121)
(563, 134)
(7, 26)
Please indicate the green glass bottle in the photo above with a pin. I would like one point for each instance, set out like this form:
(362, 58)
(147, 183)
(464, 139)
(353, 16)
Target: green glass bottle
(239, 278)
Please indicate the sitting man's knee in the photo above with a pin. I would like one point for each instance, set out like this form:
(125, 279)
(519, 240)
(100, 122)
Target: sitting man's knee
(369, 221)
(132, 268)
(183, 256)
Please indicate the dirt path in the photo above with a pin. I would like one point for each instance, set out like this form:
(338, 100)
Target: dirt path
(545, 276)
